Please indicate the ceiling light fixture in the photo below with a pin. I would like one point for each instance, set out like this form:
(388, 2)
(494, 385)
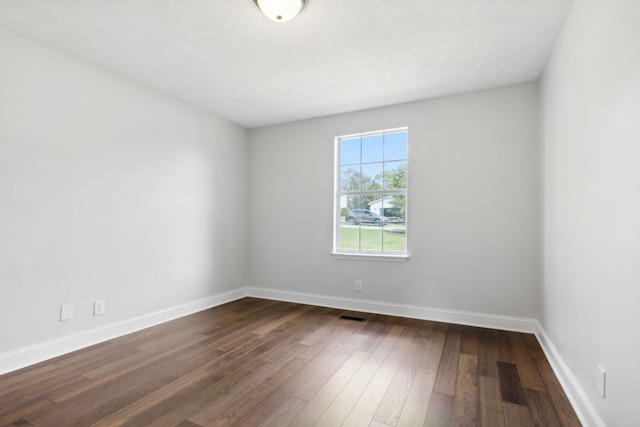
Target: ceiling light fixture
(280, 10)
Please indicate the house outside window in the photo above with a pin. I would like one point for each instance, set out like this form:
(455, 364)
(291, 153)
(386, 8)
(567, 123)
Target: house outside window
(370, 206)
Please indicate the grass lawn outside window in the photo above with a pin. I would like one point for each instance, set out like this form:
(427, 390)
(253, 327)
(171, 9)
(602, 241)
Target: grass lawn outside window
(389, 238)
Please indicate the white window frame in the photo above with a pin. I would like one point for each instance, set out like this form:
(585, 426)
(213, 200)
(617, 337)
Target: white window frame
(360, 254)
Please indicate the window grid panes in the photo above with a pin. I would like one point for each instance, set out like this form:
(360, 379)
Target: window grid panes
(371, 193)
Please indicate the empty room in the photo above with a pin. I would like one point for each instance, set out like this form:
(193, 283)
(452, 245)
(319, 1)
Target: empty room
(320, 213)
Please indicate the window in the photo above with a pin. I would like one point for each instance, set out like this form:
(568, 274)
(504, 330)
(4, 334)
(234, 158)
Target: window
(370, 214)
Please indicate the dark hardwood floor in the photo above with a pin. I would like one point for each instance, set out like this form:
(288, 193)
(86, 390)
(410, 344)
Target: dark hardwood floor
(257, 362)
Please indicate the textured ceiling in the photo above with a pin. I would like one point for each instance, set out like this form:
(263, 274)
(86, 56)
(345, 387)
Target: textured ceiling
(336, 56)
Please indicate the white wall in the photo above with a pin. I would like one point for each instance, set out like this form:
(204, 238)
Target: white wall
(109, 190)
(474, 207)
(591, 133)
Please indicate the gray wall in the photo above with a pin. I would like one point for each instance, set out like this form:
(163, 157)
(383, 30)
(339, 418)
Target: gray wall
(474, 205)
(109, 190)
(591, 134)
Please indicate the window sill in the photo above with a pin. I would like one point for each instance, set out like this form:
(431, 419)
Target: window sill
(370, 257)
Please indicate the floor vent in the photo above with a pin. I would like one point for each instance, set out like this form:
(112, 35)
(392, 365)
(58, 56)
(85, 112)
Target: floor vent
(354, 318)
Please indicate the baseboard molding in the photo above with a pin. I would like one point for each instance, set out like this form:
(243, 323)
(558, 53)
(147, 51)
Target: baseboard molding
(25, 356)
(518, 324)
(581, 404)
(579, 400)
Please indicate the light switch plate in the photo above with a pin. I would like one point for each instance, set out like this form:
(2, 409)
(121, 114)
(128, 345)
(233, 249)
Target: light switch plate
(66, 312)
(602, 381)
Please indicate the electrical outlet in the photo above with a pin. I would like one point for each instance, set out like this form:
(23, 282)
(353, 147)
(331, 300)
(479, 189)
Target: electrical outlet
(358, 285)
(602, 381)
(66, 312)
(98, 307)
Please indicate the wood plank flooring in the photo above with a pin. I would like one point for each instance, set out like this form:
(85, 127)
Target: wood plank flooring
(257, 362)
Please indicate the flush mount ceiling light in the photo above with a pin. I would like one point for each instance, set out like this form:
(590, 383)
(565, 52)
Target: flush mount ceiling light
(280, 10)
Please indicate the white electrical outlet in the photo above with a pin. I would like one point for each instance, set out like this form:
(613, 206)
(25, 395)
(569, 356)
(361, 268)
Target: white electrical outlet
(98, 307)
(602, 381)
(66, 312)
(358, 285)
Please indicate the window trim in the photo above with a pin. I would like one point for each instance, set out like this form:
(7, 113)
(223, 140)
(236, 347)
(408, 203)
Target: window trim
(365, 255)
(372, 256)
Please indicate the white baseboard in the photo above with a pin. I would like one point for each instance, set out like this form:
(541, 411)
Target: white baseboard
(40, 352)
(518, 324)
(579, 400)
(576, 394)
(25, 356)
